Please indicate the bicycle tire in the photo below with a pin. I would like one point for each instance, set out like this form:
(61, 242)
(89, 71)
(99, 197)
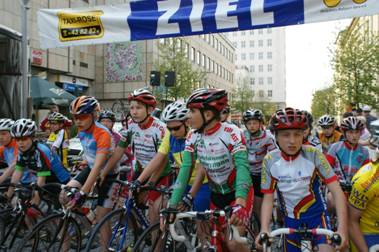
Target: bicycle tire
(117, 227)
(50, 227)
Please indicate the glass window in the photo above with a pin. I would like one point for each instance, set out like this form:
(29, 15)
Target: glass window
(269, 93)
(269, 30)
(198, 58)
(251, 56)
(260, 43)
(269, 68)
(216, 68)
(260, 55)
(260, 68)
(252, 81)
(217, 44)
(251, 32)
(203, 60)
(269, 42)
(235, 44)
(243, 33)
(261, 80)
(208, 65)
(252, 68)
(243, 44)
(269, 80)
(269, 55)
(243, 56)
(260, 31)
(213, 41)
(261, 93)
(186, 50)
(193, 54)
(251, 43)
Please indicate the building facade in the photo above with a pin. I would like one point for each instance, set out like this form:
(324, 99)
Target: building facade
(263, 52)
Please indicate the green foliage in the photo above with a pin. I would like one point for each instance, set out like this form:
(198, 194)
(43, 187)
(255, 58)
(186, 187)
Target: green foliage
(172, 57)
(323, 102)
(356, 63)
(241, 98)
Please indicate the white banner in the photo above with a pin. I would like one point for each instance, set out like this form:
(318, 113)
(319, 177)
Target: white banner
(151, 19)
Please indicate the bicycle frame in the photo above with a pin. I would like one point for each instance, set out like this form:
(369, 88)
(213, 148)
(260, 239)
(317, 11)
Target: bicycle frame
(217, 238)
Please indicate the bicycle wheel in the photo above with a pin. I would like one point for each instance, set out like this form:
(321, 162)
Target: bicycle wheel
(54, 233)
(124, 232)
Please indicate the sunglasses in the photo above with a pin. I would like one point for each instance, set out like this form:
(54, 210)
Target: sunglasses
(82, 117)
(24, 138)
(174, 128)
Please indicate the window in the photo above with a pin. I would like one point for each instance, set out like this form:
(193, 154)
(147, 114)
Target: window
(216, 68)
(217, 44)
(212, 66)
(260, 55)
(208, 38)
(198, 58)
(251, 32)
(269, 55)
(269, 68)
(193, 54)
(186, 50)
(234, 34)
(213, 41)
(269, 42)
(261, 80)
(269, 93)
(269, 80)
(243, 44)
(251, 43)
(260, 31)
(251, 56)
(203, 60)
(260, 43)
(235, 44)
(260, 68)
(269, 31)
(252, 69)
(252, 81)
(243, 33)
(208, 65)
(243, 56)
(162, 41)
(261, 93)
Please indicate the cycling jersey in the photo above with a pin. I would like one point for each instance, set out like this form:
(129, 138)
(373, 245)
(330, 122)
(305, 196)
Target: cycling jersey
(297, 180)
(326, 142)
(365, 197)
(96, 140)
(144, 141)
(60, 142)
(346, 160)
(312, 140)
(257, 147)
(40, 160)
(222, 153)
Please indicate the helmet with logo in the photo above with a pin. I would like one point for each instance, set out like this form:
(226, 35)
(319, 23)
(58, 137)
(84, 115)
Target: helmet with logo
(56, 117)
(23, 127)
(309, 118)
(6, 124)
(176, 111)
(84, 105)
(252, 114)
(326, 120)
(351, 123)
(288, 118)
(107, 114)
(208, 98)
(143, 95)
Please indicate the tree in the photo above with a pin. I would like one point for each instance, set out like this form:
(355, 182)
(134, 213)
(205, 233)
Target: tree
(356, 64)
(172, 57)
(323, 102)
(242, 97)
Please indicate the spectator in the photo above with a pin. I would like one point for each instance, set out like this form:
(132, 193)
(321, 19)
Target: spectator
(365, 135)
(44, 125)
(369, 118)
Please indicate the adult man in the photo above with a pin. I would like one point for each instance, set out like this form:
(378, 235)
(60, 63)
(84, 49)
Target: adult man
(369, 118)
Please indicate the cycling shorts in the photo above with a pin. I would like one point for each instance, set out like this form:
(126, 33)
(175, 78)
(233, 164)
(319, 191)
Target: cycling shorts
(292, 242)
(203, 198)
(256, 179)
(105, 190)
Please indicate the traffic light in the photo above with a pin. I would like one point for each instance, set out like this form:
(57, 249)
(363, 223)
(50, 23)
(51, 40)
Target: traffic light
(169, 78)
(155, 78)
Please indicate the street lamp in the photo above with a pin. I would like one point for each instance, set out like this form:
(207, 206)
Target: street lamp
(25, 63)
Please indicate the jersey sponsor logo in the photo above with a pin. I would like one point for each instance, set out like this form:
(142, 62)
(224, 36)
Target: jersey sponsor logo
(358, 199)
(234, 137)
(228, 129)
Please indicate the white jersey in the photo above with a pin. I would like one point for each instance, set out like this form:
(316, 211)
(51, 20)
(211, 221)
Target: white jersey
(144, 141)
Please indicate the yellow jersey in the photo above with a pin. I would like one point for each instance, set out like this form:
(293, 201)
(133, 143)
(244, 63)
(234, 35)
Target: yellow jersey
(365, 197)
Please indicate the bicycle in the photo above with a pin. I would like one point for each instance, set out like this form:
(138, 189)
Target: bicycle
(126, 223)
(305, 234)
(60, 231)
(18, 217)
(218, 219)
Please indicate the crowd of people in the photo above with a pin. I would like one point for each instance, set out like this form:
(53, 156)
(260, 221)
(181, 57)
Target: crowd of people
(315, 169)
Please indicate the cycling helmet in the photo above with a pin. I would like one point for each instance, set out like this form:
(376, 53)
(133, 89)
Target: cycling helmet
(6, 124)
(176, 111)
(23, 127)
(84, 105)
(326, 120)
(208, 98)
(374, 141)
(288, 118)
(56, 117)
(251, 114)
(351, 123)
(309, 118)
(143, 95)
(107, 114)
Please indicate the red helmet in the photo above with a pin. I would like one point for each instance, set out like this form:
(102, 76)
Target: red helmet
(208, 97)
(288, 118)
(143, 95)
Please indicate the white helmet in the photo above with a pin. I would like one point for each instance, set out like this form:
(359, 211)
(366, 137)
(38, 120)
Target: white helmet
(176, 111)
(326, 120)
(23, 127)
(6, 124)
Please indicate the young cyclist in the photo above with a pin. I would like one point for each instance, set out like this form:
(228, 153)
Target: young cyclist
(364, 204)
(225, 114)
(58, 138)
(221, 151)
(328, 134)
(347, 156)
(143, 135)
(36, 158)
(97, 147)
(296, 172)
(258, 144)
(309, 137)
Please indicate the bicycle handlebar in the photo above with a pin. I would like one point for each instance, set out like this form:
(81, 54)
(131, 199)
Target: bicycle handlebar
(192, 214)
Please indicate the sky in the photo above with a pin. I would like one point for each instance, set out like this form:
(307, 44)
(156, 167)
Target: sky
(308, 60)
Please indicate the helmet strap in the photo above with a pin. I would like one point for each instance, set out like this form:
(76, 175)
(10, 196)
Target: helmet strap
(205, 122)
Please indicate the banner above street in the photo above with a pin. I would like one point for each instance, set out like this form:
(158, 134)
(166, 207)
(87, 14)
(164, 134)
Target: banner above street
(151, 19)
